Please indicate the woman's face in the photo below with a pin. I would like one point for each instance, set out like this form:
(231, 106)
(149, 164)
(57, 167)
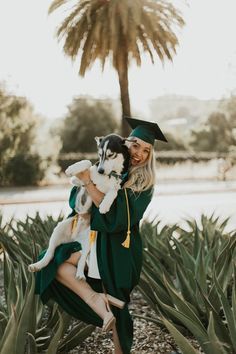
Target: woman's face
(139, 152)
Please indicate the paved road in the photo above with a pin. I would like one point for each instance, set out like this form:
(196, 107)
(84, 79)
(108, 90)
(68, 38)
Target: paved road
(176, 208)
(172, 202)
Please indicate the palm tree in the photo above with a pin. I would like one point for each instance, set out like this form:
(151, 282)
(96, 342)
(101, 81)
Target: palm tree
(121, 30)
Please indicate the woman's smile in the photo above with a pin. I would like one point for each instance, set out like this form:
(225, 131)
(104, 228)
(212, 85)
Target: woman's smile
(139, 152)
(135, 160)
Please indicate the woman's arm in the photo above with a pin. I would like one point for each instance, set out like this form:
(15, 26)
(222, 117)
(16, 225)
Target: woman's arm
(116, 219)
(94, 193)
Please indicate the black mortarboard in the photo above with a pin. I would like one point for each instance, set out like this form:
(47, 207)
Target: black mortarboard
(147, 131)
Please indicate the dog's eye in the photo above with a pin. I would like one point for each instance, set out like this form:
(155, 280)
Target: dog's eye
(113, 155)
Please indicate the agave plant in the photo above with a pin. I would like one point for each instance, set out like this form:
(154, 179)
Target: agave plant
(189, 281)
(26, 326)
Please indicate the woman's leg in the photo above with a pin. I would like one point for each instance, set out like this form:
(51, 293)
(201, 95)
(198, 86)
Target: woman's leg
(117, 347)
(66, 275)
(74, 258)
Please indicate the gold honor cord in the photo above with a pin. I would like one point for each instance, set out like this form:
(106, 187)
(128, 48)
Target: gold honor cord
(74, 222)
(126, 242)
(92, 236)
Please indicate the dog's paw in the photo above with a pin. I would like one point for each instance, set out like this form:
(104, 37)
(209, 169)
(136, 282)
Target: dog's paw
(75, 181)
(78, 167)
(33, 268)
(103, 208)
(80, 275)
(71, 170)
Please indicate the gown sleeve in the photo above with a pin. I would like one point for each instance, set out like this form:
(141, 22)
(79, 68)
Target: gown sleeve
(116, 219)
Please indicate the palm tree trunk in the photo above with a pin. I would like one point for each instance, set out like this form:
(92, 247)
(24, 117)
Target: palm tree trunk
(122, 69)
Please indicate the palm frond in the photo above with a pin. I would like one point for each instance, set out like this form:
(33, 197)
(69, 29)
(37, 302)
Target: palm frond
(96, 29)
(56, 4)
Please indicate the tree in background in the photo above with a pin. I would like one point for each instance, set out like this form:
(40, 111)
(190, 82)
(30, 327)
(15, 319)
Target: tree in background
(21, 163)
(229, 107)
(86, 119)
(215, 135)
(121, 30)
(175, 142)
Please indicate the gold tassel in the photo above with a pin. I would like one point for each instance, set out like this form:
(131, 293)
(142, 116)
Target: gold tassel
(74, 222)
(92, 237)
(126, 242)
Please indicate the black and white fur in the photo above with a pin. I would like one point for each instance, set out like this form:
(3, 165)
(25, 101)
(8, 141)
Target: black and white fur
(113, 161)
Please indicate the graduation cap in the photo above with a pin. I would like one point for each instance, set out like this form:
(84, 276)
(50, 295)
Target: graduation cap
(147, 131)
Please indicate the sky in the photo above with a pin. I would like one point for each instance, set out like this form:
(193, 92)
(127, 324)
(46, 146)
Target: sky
(32, 62)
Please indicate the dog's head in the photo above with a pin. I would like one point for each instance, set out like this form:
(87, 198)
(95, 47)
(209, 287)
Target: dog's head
(113, 154)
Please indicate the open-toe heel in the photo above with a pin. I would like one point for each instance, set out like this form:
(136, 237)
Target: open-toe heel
(114, 301)
(100, 304)
(108, 322)
(109, 319)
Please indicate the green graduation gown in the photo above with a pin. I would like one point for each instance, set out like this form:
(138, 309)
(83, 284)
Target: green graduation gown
(119, 267)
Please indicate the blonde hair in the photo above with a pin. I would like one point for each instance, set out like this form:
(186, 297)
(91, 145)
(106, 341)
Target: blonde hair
(142, 177)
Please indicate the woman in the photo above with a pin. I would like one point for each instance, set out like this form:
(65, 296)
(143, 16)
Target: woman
(118, 247)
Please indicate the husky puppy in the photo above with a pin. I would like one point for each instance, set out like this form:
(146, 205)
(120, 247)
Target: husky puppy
(106, 175)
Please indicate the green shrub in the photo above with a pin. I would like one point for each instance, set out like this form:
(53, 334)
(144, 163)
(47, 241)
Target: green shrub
(26, 326)
(23, 170)
(20, 161)
(86, 119)
(188, 279)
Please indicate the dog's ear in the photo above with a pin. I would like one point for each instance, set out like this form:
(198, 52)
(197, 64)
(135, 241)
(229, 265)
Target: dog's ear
(98, 139)
(127, 142)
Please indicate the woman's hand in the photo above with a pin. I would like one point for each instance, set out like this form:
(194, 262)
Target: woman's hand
(94, 193)
(84, 176)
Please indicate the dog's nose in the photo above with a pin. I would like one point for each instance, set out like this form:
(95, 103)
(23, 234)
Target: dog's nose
(101, 170)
